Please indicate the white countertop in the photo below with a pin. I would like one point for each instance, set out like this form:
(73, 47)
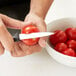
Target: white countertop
(41, 64)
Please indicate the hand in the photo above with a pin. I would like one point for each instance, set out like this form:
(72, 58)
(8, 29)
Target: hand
(34, 19)
(19, 48)
(22, 49)
(6, 40)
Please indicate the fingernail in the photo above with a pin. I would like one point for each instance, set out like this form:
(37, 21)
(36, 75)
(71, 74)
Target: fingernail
(43, 43)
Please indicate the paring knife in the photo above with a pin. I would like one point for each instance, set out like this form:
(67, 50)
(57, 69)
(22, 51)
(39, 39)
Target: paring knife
(31, 35)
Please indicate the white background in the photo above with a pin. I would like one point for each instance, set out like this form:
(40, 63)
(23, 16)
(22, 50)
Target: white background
(41, 64)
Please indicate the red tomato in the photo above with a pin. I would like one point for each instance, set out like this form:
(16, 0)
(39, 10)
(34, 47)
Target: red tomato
(27, 30)
(71, 33)
(69, 52)
(72, 44)
(58, 37)
(61, 47)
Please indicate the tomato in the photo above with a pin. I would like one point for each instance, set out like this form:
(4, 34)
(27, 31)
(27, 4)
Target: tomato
(71, 33)
(27, 30)
(69, 52)
(72, 44)
(61, 47)
(58, 37)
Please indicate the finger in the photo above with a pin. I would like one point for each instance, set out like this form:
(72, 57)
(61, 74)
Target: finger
(12, 23)
(42, 41)
(18, 51)
(42, 26)
(5, 38)
(28, 23)
(1, 49)
(36, 48)
(22, 49)
(26, 49)
(30, 49)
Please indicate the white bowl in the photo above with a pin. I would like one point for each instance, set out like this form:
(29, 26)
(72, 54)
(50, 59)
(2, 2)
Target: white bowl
(61, 24)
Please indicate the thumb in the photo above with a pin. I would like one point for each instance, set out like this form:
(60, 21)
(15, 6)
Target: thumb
(42, 41)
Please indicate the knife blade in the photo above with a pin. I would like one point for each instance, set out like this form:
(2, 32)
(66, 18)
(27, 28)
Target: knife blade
(35, 35)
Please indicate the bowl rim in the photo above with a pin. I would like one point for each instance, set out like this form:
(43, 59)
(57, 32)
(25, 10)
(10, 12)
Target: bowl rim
(61, 19)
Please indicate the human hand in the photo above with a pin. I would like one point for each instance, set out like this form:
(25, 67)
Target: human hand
(19, 48)
(6, 40)
(34, 19)
(23, 49)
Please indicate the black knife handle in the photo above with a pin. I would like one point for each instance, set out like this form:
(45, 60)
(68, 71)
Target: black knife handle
(16, 37)
(15, 33)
